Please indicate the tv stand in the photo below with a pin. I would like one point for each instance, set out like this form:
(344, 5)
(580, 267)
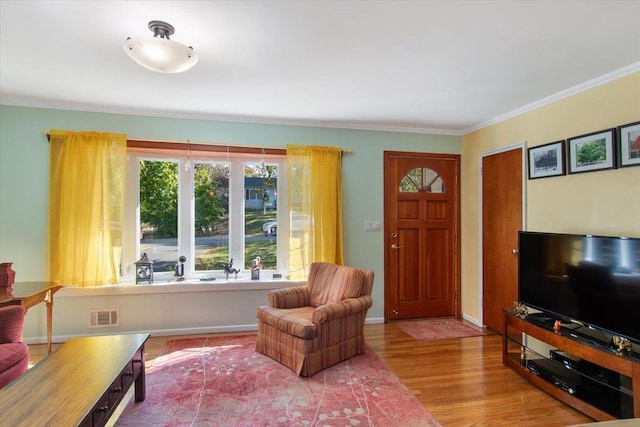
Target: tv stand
(581, 372)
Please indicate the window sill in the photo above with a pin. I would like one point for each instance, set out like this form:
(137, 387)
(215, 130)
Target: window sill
(192, 285)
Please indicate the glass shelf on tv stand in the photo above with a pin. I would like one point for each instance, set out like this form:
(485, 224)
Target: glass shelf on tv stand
(591, 372)
(587, 335)
(601, 388)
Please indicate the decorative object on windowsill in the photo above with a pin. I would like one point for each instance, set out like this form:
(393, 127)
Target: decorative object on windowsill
(228, 269)
(557, 325)
(159, 53)
(144, 270)
(7, 275)
(620, 344)
(255, 270)
(179, 273)
(520, 310)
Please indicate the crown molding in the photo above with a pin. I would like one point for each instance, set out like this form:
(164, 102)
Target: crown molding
(105, 109)
(614, 75)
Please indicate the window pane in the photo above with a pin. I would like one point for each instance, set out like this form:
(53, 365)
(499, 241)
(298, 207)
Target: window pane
(211, 195)
(422, 180)
(260, 215)
(159, 213)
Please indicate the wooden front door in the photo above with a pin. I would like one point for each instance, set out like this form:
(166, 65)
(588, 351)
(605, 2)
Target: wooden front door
(501, 221)
(422, 257)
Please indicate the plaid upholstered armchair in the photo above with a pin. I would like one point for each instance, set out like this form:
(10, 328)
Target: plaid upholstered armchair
(312, 327)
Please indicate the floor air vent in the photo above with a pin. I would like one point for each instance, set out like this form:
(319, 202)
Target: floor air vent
(104, 318)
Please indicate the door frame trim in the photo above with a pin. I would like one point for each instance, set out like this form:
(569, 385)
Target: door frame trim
(520, 145)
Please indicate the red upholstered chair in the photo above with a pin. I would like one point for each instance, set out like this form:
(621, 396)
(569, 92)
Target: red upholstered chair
(14, 354)
(312, 327)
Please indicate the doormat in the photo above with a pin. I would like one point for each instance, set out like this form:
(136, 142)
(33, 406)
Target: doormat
(440, 328)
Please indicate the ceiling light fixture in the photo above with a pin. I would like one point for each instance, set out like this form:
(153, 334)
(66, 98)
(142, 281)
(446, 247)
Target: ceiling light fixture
(158, 53)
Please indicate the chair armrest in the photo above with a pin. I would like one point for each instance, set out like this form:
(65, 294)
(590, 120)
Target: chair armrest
(11, 324)
(335, 310)
(289, 297)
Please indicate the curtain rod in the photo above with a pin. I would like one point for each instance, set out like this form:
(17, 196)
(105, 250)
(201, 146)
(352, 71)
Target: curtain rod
(151, 143)
(188, 145)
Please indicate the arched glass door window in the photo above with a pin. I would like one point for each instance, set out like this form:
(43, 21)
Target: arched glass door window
(423, 180)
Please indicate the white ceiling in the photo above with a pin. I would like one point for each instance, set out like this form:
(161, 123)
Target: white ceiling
(421, 66)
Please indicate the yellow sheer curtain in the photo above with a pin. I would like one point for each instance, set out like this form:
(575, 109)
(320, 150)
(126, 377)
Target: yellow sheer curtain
(314, 177)
(86, 207)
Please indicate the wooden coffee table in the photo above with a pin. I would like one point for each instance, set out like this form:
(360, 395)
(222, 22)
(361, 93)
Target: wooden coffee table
(79, 384)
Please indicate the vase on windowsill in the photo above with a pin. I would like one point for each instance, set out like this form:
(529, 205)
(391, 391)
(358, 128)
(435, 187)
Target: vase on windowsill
(7, 275)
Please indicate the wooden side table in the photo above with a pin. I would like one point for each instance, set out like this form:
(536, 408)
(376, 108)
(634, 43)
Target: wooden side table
(28, 294)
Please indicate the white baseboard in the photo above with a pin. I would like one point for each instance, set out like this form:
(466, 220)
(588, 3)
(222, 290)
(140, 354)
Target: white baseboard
(472, 320)
(154, 332)
(170, 332)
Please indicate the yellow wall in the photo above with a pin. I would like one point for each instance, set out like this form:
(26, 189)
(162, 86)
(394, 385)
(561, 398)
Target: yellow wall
(603, 202)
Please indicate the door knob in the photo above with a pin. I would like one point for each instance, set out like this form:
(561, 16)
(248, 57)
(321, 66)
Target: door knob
(394, 246)
(514, 251)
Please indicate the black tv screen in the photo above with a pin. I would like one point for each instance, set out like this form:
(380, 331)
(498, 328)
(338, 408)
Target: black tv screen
(594, 280)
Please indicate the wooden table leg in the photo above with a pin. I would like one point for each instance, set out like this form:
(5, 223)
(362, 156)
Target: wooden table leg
(49, 302)
(140, 384)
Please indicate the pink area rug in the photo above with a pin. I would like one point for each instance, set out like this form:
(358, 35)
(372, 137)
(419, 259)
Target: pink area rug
(440, 328)
(222, 381)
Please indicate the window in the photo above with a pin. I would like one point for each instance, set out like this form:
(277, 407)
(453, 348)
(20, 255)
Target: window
(158, 183)
(209, 208)
(211, 198)
(422, 180)
(260, 215)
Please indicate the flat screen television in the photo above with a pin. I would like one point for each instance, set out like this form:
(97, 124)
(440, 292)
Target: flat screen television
(591, 280)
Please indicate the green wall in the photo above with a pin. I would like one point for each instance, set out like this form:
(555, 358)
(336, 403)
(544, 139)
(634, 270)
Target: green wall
(24, 173)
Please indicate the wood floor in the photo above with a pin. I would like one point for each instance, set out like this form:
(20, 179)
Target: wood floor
(461, 381)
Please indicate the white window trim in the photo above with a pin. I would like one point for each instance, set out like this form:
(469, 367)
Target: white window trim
(186, 240)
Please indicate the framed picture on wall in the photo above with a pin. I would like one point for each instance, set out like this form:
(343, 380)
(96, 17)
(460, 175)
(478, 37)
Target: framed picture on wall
(592, 152)
(629, 145)
(546, 160)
